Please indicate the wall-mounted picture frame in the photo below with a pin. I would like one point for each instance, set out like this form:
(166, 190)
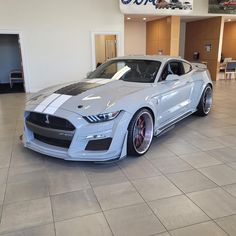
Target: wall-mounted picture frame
(222, 6)
(208, 47)
(170, 7)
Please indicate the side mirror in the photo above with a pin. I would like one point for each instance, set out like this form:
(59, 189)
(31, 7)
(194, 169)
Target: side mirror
(172, 77)
(89, 73)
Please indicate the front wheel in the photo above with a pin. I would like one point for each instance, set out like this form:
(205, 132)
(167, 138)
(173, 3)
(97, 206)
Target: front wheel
(140, 133)
(205, 103)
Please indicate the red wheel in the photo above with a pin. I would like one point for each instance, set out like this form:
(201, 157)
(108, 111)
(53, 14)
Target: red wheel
(140, 133)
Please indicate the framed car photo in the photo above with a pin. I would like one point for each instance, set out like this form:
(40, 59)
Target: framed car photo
(222, 6)
(170, 7)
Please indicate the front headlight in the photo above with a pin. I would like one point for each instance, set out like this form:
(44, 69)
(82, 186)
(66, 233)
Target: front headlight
(102, 117)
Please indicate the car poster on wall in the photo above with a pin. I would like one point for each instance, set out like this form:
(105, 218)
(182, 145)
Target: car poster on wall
(170, 7)
(222, 6)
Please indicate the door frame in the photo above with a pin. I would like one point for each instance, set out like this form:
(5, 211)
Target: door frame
(93, 51)
(23, 55)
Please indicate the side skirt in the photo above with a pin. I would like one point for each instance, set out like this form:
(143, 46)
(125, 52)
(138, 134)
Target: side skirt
(164, 129)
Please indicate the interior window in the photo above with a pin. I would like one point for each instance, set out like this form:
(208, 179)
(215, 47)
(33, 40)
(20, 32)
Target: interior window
(174, 67)
(187, 67)
(165, 73)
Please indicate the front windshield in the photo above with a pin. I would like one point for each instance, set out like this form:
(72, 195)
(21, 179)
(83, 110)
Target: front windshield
(130, 70)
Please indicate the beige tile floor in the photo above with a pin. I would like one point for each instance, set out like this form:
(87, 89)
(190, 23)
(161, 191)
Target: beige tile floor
(185, 185)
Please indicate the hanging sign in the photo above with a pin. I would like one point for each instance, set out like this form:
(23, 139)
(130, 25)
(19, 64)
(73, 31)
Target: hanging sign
(162, 7)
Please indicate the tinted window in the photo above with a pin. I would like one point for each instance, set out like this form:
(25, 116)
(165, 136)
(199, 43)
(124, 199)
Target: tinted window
(165, 73)
(142, 71)
(187, 67)
(176, 68)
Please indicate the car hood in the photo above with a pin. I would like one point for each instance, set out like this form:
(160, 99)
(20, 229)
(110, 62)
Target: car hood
(87, 97)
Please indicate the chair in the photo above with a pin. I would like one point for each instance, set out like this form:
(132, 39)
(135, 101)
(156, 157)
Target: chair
(223, 64)
(16, 76)
(230, 69)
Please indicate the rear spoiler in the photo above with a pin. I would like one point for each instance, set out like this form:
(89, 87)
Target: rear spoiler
(199, 66)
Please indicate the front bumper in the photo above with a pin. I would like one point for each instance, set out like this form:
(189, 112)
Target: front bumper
(115, 130)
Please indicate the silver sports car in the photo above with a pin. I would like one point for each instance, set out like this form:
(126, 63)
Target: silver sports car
(117, 109)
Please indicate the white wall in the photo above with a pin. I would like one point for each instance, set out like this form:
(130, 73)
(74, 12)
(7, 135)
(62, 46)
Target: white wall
(56, 35)
(135, 38)
(182, 39)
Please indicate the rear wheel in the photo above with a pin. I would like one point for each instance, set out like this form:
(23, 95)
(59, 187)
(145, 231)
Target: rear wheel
(140, 133)
(205, 103)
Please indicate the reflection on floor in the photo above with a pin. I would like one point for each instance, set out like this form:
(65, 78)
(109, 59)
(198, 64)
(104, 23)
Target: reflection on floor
(185, 185)
(221, 76)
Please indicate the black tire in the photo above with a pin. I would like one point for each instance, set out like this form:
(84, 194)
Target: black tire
(205, 103)
(140, 133)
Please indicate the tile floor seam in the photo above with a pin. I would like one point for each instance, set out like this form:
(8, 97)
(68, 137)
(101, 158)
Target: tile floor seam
(73, 191)
(220, 186)
(205, 152)
(221, 226)
(192, 200)
(145, 202)
(228, 164)
(198, 170)
(25, 228)
(199, 224)
(220, 218)
(99, 204)
(12, 147)
(173, 172)
(186, 226)
(53, 216)
(227, 191)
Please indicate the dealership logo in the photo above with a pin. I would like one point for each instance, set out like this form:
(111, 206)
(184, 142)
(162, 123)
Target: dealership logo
(139, 2)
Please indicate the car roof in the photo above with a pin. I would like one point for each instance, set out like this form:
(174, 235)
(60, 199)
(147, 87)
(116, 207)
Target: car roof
(161, 58)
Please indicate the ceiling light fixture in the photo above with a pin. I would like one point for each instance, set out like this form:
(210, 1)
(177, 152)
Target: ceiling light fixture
(128, 18)
(229, 19)
(144, 18)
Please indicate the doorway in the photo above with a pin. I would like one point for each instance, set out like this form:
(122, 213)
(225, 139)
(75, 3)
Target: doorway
(11, 66)
(105, 45)
(105, 48)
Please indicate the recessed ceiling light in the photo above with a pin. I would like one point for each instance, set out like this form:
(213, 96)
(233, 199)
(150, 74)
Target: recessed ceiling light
(229, 19)
(144, 18)
(128, 18)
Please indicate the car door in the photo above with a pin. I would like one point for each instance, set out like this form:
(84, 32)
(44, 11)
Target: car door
(175, 98)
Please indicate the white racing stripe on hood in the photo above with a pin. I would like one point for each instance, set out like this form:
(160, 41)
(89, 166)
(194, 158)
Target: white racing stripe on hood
(52, 108)
(93, 80)
(99, 81)
(46, 102)
(116, 76)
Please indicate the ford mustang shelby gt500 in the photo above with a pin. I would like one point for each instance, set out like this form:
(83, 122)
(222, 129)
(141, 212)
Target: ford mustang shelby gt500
(117, 109)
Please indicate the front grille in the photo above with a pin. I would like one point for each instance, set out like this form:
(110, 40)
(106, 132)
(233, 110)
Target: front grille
(49, 121)
(53, 141)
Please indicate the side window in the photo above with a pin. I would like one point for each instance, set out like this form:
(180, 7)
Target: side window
(165, 73)
(176, 68)
(187, 67)
(173, 67)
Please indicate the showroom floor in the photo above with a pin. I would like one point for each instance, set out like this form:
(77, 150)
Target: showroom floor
(186, 184)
